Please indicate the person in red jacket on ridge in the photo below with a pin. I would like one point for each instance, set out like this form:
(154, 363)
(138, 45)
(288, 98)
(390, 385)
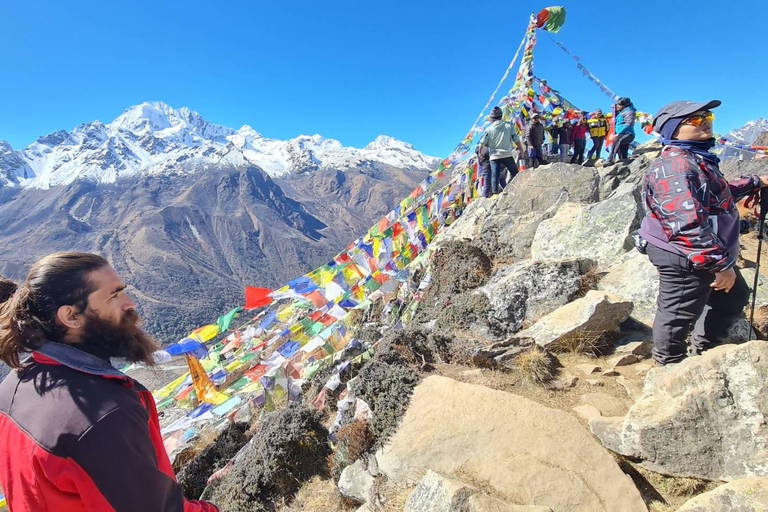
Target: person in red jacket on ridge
(75, 433)
(579, 140)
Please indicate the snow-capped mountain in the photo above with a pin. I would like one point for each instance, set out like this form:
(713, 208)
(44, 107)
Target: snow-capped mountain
(749, 133)
(154, 139)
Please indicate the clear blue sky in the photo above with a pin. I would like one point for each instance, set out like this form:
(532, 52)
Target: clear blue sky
(350, 70)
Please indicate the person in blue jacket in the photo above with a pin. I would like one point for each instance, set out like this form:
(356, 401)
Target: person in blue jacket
(624, 129)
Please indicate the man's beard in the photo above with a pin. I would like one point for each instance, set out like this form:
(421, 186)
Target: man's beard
(125, 339)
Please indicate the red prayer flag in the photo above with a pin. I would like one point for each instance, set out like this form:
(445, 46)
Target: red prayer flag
(255, 297)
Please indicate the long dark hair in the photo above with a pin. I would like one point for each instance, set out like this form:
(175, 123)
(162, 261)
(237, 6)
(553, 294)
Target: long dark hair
(28, 317)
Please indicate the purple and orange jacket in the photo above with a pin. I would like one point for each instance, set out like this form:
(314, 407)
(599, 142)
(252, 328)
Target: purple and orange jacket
(690, 209)
(78, 435)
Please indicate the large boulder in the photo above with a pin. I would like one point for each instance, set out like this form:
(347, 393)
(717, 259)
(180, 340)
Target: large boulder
(506, 224)
(526, 452)
(522, 293)
(704, 417)
(600, 231)
(634, 277)
(632, 172)
(593, 315)
(440, 493)
(744, 495)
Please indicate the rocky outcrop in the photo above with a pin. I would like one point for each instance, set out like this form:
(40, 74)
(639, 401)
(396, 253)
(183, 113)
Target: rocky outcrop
(592, 316)
(703, 418)
(744, 495)
(613, 176)
(507, 223)
(441, 493)
(522, 293)
(526, 452)
(600, 231)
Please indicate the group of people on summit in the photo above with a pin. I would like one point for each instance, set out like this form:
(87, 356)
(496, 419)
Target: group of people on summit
(495, 150)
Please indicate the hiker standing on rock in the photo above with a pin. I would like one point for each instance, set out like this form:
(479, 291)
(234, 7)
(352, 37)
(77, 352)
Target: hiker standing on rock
(75, 433)
(484, 170)
(499, 137)
(579, 141)
(598, 128)
(564, 131)
(691, 233)
(552, 130)
(534, 137)
(624, 128)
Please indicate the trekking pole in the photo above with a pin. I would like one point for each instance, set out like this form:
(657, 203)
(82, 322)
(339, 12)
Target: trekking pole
(760, 233)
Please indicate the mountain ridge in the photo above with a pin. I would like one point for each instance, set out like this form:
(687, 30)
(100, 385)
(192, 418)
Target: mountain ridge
(153, 138)
(749, 132)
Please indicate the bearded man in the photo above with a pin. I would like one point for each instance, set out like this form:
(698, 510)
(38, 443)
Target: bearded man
(75, 433)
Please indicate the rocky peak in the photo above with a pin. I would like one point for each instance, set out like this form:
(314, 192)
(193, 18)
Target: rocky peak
(387, 142)
(750, 132)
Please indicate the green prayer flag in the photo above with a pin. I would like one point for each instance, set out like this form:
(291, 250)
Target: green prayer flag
(551, 19)
(224, 321)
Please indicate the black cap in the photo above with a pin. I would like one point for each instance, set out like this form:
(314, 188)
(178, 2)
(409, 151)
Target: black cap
(677, 109)
(496, 113)
(623, 102)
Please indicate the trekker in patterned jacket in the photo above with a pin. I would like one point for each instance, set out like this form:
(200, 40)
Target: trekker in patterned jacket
(691, 233)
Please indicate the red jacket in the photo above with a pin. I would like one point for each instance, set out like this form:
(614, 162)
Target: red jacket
(78, 435)
(579, 132)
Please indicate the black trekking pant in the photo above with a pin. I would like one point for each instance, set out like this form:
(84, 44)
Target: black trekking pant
(597, 147)
(579, 145)
(685, 297)
(620, 146)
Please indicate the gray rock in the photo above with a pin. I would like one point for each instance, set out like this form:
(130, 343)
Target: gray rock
(739, 332)
(704, 417)
(587, 411)
(503, 353)
(633, 387)
(623, 360)
(762, 285)
(440, 493)
(639, 344)
(590, 316)
(743, 495)
(608, 405)
(634, 277)
(613, 176)
(524, 292)
(507, 224)
(356, 482)
(600, 231)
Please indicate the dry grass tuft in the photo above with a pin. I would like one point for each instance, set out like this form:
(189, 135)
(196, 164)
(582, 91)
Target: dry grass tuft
(536, 365)
(393, 497)
(353, 441)
(682, 487)
(317, 494)
(589, 281)
(658, 506)
(586, 342)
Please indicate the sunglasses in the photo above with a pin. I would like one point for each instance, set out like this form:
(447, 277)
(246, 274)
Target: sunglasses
(699, 119)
